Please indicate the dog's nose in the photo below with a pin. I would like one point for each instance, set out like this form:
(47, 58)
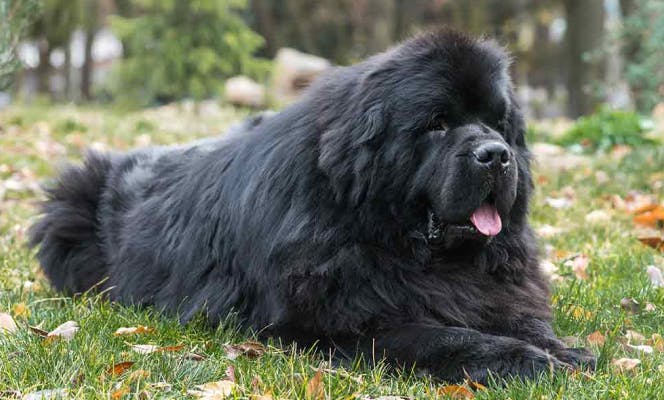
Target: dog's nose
(492, 154)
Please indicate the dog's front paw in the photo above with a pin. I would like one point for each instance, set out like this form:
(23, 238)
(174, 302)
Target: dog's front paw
(578, 357)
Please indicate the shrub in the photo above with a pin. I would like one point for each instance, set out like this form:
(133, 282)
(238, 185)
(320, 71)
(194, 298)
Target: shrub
(607, 128)
(176, 49)
(643, 37)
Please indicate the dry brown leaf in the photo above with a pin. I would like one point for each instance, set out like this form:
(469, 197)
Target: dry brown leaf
(7, 323)
(653, 217)
(193, 357)
(38, 331)
(134, 330)
(119, 368)
(596, 338)
(64, 331)
(250, 349)
(213, 390)
(657, 342)
(654, 241)
(630, 305)
(161, 386)
(120, 392)
(455, 392)
(655, 275)
(625, 364)
(315, 387)
(138, 375)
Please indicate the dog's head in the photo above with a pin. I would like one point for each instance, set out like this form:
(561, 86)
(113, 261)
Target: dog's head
(432, 122)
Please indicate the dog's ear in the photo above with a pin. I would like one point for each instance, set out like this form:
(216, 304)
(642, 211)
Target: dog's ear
(348, 145)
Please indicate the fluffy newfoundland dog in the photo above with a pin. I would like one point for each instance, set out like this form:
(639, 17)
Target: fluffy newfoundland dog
(383, 214)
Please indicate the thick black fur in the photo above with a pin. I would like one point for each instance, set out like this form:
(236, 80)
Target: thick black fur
(316, 223)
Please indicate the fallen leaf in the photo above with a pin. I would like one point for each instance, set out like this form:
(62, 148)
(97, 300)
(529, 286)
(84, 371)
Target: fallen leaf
(65, 331)
(144, 348)
(579, 264)
(630, 305)
(193, 357)
(640, 348)
(119, 368)
(455, 392)
(579, 312)
(213, 390)
(7, 323)
(634, 202)
(230, 373)
(249, 349)
(149, 348)
(596, 338)
(548, 231)
(120, 392)
(139, 374)
(47, 394)
(21, 310)
(634, 337)
(550, 270)
(161, 386)
(171, 349)
(134, 330)
(625, 364)
(315, 388)
(385, 398)
(654, 241)
(558, 202)
(655, 275)
(653, 217)
(657, 342)
(598, 217)
(38, 331)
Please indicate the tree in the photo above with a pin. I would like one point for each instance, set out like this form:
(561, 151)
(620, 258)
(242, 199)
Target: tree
(53, 28)
(643, 48)
(584, 35)
(182, 48)
(14, 18)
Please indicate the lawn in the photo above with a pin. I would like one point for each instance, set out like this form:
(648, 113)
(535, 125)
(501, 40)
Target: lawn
(588, 239)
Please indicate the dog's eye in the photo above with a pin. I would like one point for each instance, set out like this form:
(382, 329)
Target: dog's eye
(438, 125)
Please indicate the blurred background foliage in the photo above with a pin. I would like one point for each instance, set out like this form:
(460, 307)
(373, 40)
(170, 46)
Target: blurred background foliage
(571, 56)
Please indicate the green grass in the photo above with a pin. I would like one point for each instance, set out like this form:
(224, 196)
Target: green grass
(34, 140)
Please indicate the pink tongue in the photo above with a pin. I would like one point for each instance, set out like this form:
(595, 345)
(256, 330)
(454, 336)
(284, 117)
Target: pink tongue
(487, 220)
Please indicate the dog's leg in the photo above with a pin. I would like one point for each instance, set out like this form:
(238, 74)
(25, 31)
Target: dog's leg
(540, 333)
(451, 353)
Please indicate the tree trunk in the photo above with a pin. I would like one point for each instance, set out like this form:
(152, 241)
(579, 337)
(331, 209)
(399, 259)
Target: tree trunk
(67, 71)
(585, 32)
(91, 26)
(86, 70)
(44, 67)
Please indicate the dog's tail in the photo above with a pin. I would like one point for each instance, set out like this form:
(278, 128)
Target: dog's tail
(70, 249)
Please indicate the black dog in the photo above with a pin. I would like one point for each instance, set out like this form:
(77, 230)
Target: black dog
(385, 212)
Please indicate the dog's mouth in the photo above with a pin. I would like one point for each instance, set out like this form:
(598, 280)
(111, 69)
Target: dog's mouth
(484, 222)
